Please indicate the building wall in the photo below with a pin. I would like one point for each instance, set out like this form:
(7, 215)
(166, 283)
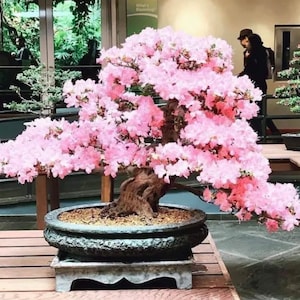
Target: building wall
(225, 18)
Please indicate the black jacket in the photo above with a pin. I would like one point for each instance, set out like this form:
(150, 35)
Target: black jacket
(256, 68)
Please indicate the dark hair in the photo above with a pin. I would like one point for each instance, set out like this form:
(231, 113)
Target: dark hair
(255, 41)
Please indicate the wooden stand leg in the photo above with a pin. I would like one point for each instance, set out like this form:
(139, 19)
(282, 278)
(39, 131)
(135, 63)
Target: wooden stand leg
(107, 188)
(41, 200)
(54, 193)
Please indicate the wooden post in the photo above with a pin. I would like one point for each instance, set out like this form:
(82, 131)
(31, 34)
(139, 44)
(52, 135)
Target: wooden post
(41, 192)
(107, 195)
(107, 188)
(54, 193)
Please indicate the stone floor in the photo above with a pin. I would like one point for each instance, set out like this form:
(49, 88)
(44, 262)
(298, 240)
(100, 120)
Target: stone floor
(262, 265)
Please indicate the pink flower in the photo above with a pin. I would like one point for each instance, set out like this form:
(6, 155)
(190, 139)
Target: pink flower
(205, 132)
(207, 195)
(272, 225)
(222, 201)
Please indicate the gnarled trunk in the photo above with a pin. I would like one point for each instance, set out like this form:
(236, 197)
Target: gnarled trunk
(139, 195)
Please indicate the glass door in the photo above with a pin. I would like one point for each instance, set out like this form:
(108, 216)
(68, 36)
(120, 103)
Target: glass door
(77, 36)
(59, 34)
(19, 44)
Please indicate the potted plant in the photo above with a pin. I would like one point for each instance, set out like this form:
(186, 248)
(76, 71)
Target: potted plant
(199, 127)
(289, 95)
(45, 89)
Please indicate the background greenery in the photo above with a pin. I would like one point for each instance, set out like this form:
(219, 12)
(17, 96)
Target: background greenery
(75, 22)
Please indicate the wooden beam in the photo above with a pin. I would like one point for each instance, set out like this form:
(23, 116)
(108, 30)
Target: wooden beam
(54, 193)
(107, 188)
(41, 192)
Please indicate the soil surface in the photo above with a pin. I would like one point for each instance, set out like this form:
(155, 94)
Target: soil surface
(92, 216)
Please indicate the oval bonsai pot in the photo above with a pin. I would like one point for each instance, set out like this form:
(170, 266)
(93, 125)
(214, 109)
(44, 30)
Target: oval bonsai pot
(125, 243)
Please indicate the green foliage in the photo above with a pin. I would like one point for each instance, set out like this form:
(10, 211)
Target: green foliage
(70, 43)
(46, 89)
(290, 73)
(292, 102)
(14, 24)
(81, 10)
(289, 94)
(297, 53)
(79, 23)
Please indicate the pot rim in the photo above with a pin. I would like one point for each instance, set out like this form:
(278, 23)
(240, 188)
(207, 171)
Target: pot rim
(52, 221)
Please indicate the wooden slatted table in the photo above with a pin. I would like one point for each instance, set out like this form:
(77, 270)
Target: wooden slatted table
(25, 273)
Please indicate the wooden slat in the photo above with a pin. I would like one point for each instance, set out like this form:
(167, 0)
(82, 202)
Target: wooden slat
(21, 234)
(27, 251)
(27, 284)
(27, 272)
(23, 242)
(207, 269)
(211, 281)
(160, 294)
(26, 261)
(205, 258)
(203, 248)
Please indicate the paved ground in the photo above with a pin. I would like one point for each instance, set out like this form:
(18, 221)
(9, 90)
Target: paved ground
(262, 265)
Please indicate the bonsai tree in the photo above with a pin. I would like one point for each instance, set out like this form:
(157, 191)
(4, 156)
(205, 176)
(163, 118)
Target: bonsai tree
(199, 127)
(46, 89)
(289, 94)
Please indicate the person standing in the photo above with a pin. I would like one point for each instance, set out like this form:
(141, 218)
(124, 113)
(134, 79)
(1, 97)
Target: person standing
(256, 68)
(255, 62)
(244, 41)
(89, 67)
(23, 57)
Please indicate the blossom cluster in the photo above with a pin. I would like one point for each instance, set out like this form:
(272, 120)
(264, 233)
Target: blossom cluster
(121, 124)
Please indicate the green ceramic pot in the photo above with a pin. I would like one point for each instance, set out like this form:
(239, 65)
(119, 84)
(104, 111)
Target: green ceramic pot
(125, 243)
